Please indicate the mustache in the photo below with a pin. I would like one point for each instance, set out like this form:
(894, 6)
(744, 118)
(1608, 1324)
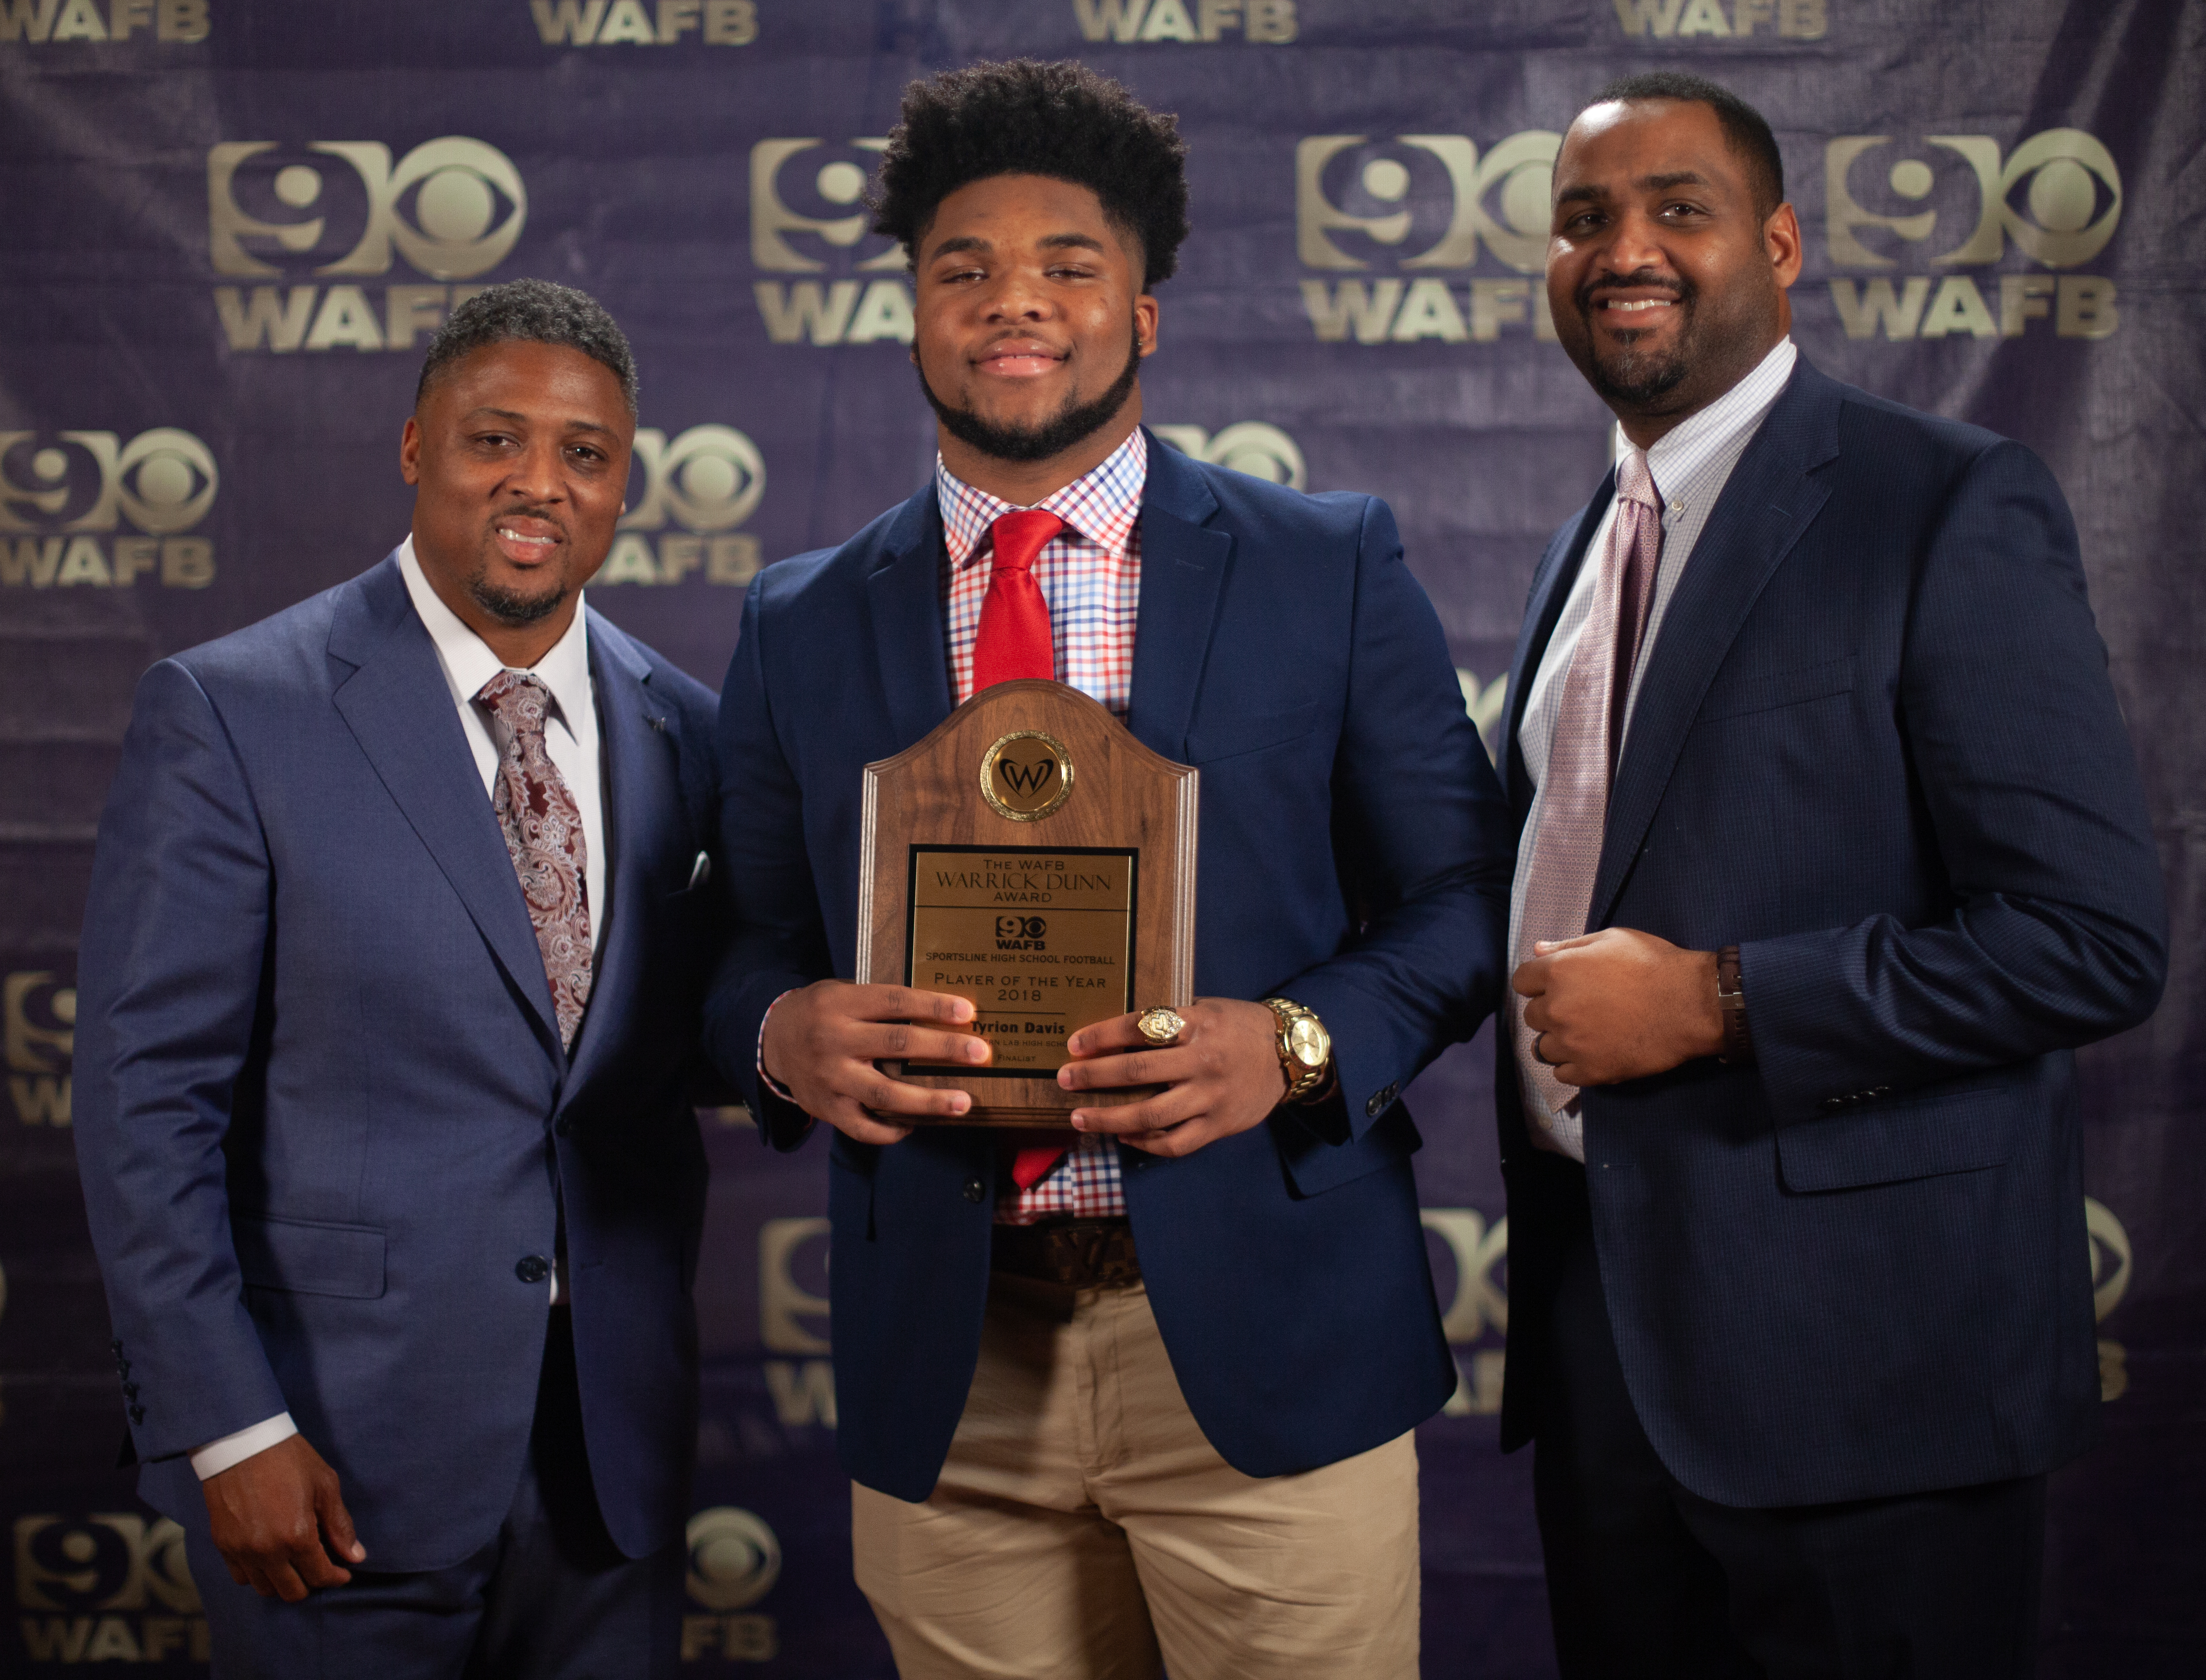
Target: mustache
(1640, 279)
(547, 514)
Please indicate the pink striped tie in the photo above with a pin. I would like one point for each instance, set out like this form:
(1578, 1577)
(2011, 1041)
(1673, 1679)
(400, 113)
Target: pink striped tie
(1581, 764)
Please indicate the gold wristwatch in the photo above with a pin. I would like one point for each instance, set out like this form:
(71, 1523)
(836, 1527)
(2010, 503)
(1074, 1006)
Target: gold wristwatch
(1305, 1050)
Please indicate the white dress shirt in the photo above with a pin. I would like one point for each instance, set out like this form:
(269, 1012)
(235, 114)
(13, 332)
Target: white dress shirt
(1690, 464)
(570, 738)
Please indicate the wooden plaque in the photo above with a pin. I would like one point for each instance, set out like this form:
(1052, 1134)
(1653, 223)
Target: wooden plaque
(1032, 856)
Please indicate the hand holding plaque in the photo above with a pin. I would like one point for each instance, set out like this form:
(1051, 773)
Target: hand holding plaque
(1031, 855)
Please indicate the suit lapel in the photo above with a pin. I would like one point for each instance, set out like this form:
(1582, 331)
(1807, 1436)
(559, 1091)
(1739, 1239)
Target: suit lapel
(1183, 575)
(399, 708)
(1550, 588)
(903, 598)
(1772, 497)
(643, 791)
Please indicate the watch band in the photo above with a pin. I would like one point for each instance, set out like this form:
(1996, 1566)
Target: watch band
(1304, 1085)
(1730, 999)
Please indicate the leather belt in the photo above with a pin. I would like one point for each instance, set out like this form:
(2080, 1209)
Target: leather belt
(1077, 1253)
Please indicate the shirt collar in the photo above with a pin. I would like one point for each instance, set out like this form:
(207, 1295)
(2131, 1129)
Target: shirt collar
(1100, 504)
(1732, 415)
(468, 663)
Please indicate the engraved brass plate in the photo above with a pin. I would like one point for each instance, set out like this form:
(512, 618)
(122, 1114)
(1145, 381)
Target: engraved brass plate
(1026, 776)
(1042, 941)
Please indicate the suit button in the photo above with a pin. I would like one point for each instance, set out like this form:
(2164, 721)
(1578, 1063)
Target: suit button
(1380, 1100)
(531, 1268)
(130, 1389)
(974, 1189)
(137, 1415)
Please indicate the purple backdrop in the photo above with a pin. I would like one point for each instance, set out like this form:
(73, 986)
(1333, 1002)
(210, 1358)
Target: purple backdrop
(234, 221)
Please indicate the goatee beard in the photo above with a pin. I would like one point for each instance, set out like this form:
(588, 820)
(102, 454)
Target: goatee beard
(509, 606)
(1071, 425)
(1635, 378)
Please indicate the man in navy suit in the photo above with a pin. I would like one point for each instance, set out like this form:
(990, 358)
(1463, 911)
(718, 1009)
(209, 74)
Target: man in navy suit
(401, 918)
(1146, 1397)
(1833, 851)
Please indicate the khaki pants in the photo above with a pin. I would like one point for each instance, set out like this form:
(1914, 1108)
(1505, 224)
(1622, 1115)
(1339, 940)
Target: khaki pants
(1083, 1528)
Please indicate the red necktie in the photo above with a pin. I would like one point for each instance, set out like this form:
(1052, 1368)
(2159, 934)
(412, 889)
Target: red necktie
(1013, 640)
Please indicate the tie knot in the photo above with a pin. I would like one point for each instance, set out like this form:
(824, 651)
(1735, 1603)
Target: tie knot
(1018, 537)
(1634, 482)
(518, 699)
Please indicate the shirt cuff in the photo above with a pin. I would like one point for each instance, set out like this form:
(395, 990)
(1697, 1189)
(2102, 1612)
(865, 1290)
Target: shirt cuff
(765, 1078)
(215, 1456)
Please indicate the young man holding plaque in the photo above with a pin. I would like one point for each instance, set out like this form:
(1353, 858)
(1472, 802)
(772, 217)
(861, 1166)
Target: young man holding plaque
(1143, 1396)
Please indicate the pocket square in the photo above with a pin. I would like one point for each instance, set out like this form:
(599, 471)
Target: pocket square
(700, 873)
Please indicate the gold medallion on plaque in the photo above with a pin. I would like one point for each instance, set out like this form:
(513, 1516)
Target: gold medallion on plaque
(1026, 776)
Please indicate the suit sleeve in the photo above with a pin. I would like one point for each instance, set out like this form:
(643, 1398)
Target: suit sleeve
(2057, 934)
(1424, 836)
(169, 979)
(778, 941)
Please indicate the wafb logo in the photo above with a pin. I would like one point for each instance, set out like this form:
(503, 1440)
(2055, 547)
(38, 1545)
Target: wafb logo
(1021, 932)
(1254, 447)
(109, 1586)
(74, 494)
(708, 482)
(1712, 19)
(1129, 21)
(629, 23)
(1460, 1241)
(1949, 201)
(806, 218)
(1424, 205)
(42, 21)
(452, 208)
(39, 1018)
(734, 1561)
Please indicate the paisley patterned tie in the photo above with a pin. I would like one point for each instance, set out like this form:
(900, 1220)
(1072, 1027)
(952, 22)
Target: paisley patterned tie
(544, 837)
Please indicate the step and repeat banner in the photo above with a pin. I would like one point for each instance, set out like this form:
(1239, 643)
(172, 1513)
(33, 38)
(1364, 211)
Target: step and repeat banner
(231, 224)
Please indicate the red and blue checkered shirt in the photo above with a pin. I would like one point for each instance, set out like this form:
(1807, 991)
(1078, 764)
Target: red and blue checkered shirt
(1090, 574)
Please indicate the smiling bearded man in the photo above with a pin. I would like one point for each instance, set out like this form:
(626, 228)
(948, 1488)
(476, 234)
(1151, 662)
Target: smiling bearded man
(1146, 1399)
(1833, 851)
(398, 928)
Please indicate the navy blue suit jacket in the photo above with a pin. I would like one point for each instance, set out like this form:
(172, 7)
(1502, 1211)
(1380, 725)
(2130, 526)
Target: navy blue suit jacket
(1875, 746)
(322, 1110)
(1353, 856)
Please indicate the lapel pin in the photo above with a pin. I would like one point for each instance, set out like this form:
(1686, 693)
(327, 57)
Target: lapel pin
(700, 871)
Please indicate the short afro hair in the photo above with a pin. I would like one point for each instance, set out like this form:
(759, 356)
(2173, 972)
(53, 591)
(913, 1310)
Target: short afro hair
(531, 312)
(1023, 117)
(1745, 129)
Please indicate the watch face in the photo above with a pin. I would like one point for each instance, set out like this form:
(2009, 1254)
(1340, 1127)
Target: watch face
(1307, 1042)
